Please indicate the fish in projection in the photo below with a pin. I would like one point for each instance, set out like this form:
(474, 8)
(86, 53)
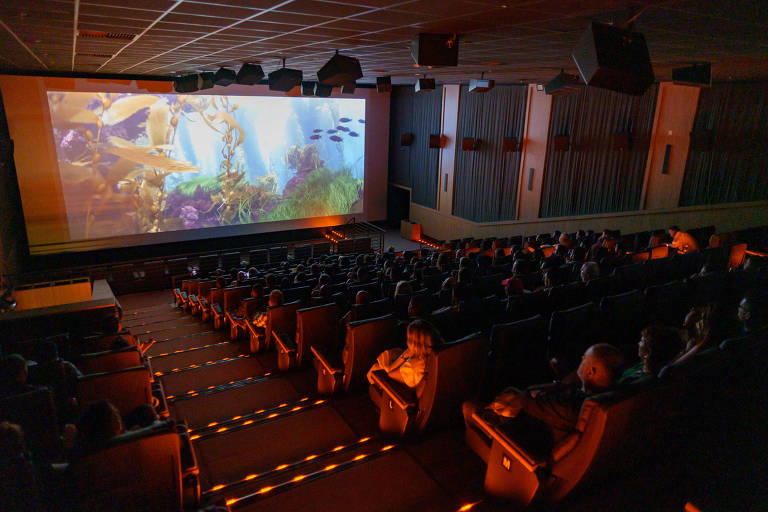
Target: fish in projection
(344, 119)
(317, 130)
(335, 138)
(315, 137)
(342, 128)
(331, 131)
(361, 121)
(352, 134)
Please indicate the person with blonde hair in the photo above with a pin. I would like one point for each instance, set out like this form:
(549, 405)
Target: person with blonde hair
(409, 366)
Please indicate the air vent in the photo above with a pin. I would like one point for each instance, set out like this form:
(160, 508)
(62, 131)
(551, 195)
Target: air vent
(98, 34)
(99, 55)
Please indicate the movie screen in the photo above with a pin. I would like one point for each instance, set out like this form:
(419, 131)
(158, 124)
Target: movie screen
(150, 163)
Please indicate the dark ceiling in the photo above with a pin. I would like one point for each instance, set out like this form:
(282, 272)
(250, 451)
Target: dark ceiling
(512, 41)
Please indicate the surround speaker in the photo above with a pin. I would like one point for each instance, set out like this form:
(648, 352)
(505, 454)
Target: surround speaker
(348, 88)
(480, 85)
(612, 58)
(284, 79)
(622, 141)
(224, 77)
(206, 80)
(698, 75)
(340, 70)
(510, 145)
(425, 84)
(406, 139)
(435, 49)
(250, 74)
(561, 142)
(436, 141)
(563, 84)
(383, 84)
(468, 144)
(323, 91)
(185, 84)
(307, 88)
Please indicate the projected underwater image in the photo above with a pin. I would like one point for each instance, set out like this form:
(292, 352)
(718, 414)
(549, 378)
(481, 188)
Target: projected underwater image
(149, 163)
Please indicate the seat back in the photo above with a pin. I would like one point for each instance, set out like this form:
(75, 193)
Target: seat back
(35, 412)
(623, 317)
(596, 289)
(204, 288)
(365, 340)
(138, 470)
(709, 288)
(571, 331)
(633, 277)
(230, 260)
(667, 303)
(567, 295)
(217, 296)
(277, 254)
(281, 319)
(373, 289)
(234, 296)
(298, 293)
(373, 309)
(736, 255)
(453, 375)
(518, 354)
(126, 389)
(109, 360)
(208, 263)
(258, 257)
(316, 326)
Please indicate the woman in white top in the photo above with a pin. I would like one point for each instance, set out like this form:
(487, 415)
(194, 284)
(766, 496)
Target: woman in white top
(409, 366)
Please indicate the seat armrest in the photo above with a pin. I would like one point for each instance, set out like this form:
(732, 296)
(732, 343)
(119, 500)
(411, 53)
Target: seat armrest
(162, 404)
(529, 461)
(189, 464)
(325, 362)
(284, 342)
(565, 446)
(399, 393)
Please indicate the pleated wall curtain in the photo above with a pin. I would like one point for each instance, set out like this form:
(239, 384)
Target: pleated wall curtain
(415, 166)
(593, 175)
(485, 184)
(728, 157)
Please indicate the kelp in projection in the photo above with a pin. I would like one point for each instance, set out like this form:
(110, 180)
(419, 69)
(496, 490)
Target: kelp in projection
(148, 163)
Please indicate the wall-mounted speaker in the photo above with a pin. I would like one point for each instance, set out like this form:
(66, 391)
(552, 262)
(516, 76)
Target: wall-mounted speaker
(185, 84)
(613, 58)
(561, 142)
(468, 144)
(250, 74)
(383, 84)
(284, 79)
(206, 80)
(340, 70)
(510, 145)
(563, 84)
(436, 141)
(698, 75)
(224, 77)
(435, 49)
(622, 141)
(425, 84)
(323, 91)
(348, 88)
(406, 139)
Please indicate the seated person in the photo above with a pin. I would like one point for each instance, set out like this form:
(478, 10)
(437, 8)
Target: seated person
(566, 241)
(419, 307)
(300, 278)
(555, 407)
(658, 346)
(704, 327)
(253, 273)
(99, 423)
(403, 288)
(409, 366)
(238, 317)
(19, 485)
(240, 277)
(15, 374)
(753, 312)
(589, 271)
(513, 286)
(576, 255)
(362, 297)
(324, 279)
(60, 376)
(682, 241)
(141, 417)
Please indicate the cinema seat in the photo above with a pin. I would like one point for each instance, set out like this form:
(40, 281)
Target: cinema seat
(364, 341)
(126, 389)
(668, 303)
(373, 289)
(102, 343)
(453, 375)
(35, 412)
(601, 287)
(203, 295)
(709, 288)
(109, 360)
(318, 326)
(518, 355)
(231, 299)
(571, 331)
(623, 317)
(611, 430)
(633, 277)
(153, 468)
(208, 263)
(373, 309)
(280, 319)
(252, 305)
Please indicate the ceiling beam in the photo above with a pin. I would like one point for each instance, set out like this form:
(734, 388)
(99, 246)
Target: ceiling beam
(29, 50)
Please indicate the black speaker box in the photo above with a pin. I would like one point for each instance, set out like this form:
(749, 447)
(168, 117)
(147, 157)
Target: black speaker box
(480, 85)
(425, 84)
(561, 142)
(224, 77)
(468, 144)
(348, 89)
(510, 145)
(384, 84)
(250, 74)
(185, 84)
(284, 79)
(563, 84)
(612, 58)
(307, 88)
(698, 75)
(435, 50)
(206, 80)
(323, 91)
(406, 139)
(340, 70)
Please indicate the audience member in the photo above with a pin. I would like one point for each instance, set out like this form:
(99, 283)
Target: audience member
(753, 312)
(99, 423)
(409, 366)
(589, 271)
(19, 485)
(682, 241)
(15, 374)
(658, 346)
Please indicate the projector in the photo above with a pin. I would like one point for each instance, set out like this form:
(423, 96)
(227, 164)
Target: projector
(250, 74)
(697, 75)
(340, 70)
(284, 79)
(480, 85)
(425, 84)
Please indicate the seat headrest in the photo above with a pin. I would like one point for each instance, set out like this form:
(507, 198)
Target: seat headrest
(162, 427)
(102, 374)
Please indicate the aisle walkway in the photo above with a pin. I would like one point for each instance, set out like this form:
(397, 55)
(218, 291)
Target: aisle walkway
(265, 441)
